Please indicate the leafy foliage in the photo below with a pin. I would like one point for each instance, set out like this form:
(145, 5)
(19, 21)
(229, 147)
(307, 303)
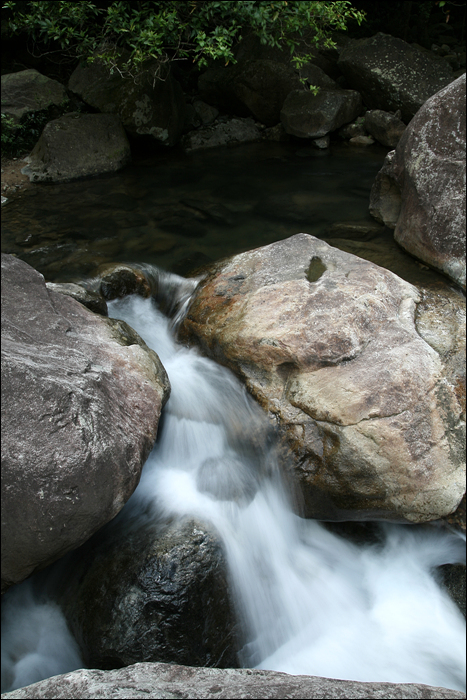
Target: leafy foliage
(126, 34)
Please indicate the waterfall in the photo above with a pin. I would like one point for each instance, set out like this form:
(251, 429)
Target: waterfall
(309, 601)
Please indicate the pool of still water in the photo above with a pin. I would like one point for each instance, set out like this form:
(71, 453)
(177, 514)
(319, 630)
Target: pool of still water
(181, 211)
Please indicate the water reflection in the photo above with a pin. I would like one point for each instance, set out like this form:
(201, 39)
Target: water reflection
(181, 211)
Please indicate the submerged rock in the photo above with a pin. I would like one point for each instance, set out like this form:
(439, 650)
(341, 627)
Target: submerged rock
(171, 681)
(143, 591)
(81, 400)
(327, 344)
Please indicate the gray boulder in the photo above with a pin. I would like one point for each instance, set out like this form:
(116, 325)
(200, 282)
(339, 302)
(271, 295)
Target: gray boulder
(30, 91)
(327, 344)
(158, 680)
(148, 591)
(385, 127)
(149, 106)
(81, 400)
(312, 116)
(391, 74)
(231, 132)
(427, 174)
(78, 145)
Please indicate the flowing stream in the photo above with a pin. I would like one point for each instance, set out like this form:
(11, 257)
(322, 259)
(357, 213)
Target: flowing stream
(309, 601)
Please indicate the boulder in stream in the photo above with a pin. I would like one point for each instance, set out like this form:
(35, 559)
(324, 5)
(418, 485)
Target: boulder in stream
(170, 681)
(311, 116)
(420, 190)
(81, 400)
(149, 591)
(327, 344)
(78, 145)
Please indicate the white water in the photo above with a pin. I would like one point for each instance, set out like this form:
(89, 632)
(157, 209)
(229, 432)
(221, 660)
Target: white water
(310, 602)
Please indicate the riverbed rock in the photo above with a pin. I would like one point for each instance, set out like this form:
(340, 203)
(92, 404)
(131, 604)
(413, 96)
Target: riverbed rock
(81, 400)
(148, 591)
(29, 91)
(361, 141)
(116, 280)
(385, 195)
(78, 145)
(391, 74)
(312, 116)
(326, 343)
(231, 132)
(427, 174)
(385, 127)
(158, 680)
(153, 105)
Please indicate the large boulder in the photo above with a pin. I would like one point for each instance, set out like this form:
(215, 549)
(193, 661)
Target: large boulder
(327, 344)
(148, 591)
(78, 145)
(29, 91)
(312, 116)
(153, 105)
(427, 175)
(391, 74)
(158, 680)
(81, 400)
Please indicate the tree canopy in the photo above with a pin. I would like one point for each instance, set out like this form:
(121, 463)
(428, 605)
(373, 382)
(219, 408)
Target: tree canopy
(124, 35)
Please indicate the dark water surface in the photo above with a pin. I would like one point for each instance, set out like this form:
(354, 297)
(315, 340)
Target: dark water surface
(181, 211)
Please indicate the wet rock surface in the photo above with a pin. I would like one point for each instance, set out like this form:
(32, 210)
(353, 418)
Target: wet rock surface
(149, 591)
(327, 344)
(81, 400)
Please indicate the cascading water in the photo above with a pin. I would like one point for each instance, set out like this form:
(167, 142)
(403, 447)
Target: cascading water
(309, 601)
